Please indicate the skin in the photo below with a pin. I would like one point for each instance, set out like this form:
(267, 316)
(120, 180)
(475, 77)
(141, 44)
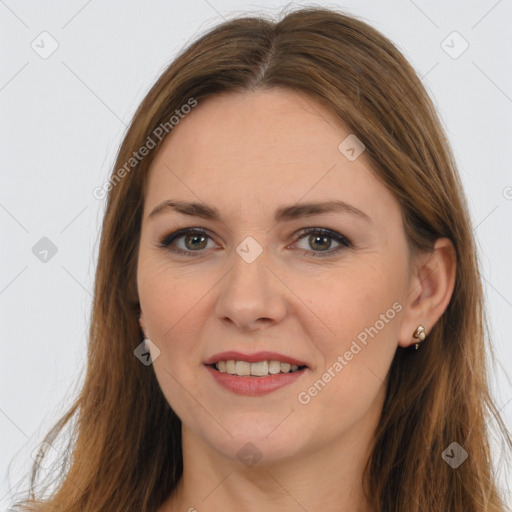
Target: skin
(246, 155)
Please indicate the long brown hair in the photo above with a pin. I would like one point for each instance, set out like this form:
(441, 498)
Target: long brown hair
(124, 450)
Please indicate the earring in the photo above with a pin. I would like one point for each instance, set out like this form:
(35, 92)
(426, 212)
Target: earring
(420, 335)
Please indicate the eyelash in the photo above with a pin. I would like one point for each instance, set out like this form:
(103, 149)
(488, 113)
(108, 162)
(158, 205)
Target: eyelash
(344, 242)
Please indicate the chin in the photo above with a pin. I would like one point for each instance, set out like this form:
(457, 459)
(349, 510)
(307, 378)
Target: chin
(260, 452)
(266, 442)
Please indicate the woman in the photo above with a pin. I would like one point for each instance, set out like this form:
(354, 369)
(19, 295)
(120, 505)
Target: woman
(288, 311)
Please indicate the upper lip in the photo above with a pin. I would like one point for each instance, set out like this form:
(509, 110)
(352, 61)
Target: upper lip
(253, 358)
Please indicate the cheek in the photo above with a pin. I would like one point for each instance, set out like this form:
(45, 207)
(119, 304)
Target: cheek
(171, 302)
(169, 298)
(353, 304)
(363, 315)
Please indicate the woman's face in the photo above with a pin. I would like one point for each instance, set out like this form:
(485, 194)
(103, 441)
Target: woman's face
(251, 280)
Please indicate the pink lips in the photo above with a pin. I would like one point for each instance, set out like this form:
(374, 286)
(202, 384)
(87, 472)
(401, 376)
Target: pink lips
(254, 386)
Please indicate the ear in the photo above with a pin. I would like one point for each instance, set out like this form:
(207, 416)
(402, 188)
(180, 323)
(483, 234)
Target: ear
(142, 323)
(430, 290)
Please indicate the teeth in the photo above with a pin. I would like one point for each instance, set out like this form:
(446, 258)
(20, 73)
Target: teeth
(230, 367)
(259, 369)
(274, 367)
(243, 368)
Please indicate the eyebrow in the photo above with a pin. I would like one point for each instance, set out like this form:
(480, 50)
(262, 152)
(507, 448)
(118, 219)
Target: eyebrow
(284, 213)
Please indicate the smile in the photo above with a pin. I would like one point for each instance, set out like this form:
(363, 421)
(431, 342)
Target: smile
(256, 369)
(254, 374)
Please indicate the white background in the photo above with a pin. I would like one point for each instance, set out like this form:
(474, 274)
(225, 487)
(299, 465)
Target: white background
(62, 120)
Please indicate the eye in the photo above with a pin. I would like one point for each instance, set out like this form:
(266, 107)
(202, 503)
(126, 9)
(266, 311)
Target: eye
(321, 239)
(194, 240)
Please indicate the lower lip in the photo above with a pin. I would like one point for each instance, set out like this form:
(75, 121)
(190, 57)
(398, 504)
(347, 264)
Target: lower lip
(254, 386)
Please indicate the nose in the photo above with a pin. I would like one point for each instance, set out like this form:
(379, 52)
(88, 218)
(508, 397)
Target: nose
(251, 296)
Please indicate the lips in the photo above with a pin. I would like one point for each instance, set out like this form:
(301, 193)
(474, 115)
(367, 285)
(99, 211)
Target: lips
(255, 374)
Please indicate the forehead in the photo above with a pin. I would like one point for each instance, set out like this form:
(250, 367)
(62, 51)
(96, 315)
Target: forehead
(244, 152)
